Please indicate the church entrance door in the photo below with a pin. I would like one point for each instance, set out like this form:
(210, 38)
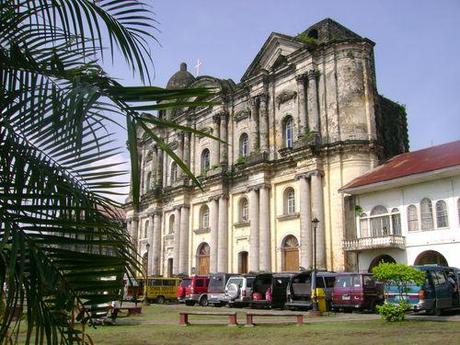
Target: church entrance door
(242, 262)
(290, 254)
(203, 258)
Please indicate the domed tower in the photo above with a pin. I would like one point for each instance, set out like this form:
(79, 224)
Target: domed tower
(181, 79)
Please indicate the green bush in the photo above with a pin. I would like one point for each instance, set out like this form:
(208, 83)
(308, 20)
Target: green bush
(393, 312)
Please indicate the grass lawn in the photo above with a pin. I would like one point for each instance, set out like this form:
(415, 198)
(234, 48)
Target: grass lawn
(146, 329)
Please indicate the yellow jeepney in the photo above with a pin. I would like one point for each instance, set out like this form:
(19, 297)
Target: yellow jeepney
(160, 289)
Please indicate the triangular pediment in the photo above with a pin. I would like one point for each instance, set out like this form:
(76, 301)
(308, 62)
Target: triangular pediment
(272, 53)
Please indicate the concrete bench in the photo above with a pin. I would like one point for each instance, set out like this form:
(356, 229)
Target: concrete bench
(183, 317)
(250, 317)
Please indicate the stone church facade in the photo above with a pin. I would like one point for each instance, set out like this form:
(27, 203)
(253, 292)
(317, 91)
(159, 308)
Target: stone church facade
(305, 120)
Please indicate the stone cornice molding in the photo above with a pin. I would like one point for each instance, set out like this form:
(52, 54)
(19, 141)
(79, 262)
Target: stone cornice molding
(316, 172)
(258, 187)
(300, 176)
(312, 74)
(216, 118)
(241, 115)
(214, 198)
(285, 96)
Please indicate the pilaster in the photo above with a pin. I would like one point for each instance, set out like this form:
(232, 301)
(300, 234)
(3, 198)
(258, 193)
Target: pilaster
(222, 252)
(254, 228)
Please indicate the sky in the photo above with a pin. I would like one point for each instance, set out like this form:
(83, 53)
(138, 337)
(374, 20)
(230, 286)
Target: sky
(417, 51)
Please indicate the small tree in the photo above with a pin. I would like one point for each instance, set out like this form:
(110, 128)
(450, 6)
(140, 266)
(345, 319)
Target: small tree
(400, 276)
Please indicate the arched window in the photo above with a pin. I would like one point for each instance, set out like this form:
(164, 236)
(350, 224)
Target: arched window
(244, 210)
(442, 220)
(244, 145)
(171, 224)
(205, 160)
(146, 229)
(173, 172)
(289, 201)
(396, 221)
(364, 225)
(204, 217)
(148, 181)
(412, 218)
(380, 221)
(288, 131)
(426, 212)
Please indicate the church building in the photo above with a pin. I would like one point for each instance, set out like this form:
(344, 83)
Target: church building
(305, 120)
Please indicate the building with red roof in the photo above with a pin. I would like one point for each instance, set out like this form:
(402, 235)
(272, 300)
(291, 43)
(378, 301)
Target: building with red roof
(406, 210)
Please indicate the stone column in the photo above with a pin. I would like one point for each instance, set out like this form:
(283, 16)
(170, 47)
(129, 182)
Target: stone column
(176, 252)
(306, 244)
(222, 251)
(215, 144)
(224, 137)
(313, 111)
(264, 230)
(254, 126)
(263, 122)
(317, 211)
(214, 225)
(253, 229)
(187, 149)
(156, 243)
(150, 241)
(154, 165)
(301, 100)
(159, 168)
(184, 234)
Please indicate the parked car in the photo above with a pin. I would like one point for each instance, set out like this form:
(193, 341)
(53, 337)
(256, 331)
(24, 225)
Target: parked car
(359, 291)
(299, 289)
(159, 290)
(269, 290)
(440, 291)
(238, 291)
(216, 288)
(193, 290)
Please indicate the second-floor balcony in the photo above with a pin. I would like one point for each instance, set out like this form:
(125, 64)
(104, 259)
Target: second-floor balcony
(366, 243)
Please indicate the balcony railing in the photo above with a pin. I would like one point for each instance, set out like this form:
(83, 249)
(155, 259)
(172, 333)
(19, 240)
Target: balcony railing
(389, 241)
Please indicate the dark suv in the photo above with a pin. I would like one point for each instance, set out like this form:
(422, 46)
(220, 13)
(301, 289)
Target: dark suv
(299, 289)
(193, 290)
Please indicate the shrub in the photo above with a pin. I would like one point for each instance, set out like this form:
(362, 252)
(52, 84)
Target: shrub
(399, 276)
(393, 312)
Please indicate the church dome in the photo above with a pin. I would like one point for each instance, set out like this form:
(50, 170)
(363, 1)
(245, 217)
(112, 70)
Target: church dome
(181, 79)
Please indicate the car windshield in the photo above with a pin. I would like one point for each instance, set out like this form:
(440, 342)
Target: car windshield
(236, 281)
(216, 284)
(185, 282)
(344, 282)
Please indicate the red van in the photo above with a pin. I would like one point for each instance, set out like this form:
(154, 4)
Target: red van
(359, 291)
(193, 290)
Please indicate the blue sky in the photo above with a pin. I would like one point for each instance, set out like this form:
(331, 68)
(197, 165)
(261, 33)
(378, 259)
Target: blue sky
(417, 48)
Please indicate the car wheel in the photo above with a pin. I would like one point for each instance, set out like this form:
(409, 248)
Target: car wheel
(161, 300)
(204, 301)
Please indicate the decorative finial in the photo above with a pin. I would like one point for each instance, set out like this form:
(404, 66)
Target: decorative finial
(183, 66)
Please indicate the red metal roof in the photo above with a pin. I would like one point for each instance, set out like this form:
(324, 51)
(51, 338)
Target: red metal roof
(411, 163)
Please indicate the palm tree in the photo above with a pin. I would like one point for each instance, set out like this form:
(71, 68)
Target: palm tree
(62, 243)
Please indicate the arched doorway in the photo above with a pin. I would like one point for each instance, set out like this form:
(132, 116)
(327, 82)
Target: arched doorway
(242, 262)
(290, 249)
(379, 259)
(145, 262)
(431, 257)
(203, 258)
